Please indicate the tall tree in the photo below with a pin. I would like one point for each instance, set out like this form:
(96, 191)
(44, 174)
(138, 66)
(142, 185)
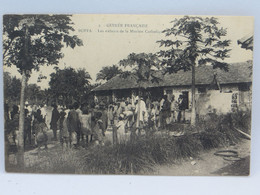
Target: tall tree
(34, 93)
(70, 84)
(143, 68)
(30, 41)
(194, 41)
(108, 72)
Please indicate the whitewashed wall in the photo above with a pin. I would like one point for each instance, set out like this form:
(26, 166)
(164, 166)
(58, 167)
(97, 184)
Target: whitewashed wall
(217, 101)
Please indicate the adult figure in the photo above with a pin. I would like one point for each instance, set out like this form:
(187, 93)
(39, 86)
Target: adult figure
(161, 102)
(13, 126)
(85, 120)
(111, 116)
(92, 112)
(27, 127)
(54, 119)
(104, 116)
(143, 116)
(174, 108)
(74, 122)
(129, 113)
(79, 111)
(181, 105)
(166, 112)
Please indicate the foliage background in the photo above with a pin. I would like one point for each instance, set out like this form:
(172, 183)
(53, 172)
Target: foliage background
(68, 184)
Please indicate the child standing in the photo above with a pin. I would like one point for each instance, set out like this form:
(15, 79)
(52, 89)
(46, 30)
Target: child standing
(64, 132)
(85, 120)
(97, 128)
(120, 126)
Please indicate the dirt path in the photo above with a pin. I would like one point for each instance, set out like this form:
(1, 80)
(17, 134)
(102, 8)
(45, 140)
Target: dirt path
(209, 164)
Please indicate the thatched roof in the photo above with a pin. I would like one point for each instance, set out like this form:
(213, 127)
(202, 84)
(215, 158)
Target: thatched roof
(238, 73)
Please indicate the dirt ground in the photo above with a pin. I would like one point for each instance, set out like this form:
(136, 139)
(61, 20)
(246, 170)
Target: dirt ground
(209, 164)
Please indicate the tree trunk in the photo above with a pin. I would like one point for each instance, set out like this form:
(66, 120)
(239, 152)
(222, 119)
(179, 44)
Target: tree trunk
(20, 153)
(20, 145)
(193, 105)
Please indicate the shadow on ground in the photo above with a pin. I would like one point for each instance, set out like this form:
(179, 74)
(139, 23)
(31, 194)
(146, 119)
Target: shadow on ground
(238, 168)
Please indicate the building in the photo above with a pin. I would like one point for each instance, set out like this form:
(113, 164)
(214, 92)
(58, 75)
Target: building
(216, 90)
(246, 42)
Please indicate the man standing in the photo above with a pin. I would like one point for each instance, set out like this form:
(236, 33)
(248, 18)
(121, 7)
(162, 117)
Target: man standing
(74, 122)
(54, 119)
(182, 106)
(174, 108)
(166, 112)
(143, 113)
(27, 127)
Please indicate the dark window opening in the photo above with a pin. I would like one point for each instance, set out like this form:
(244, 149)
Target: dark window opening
(244, 87)
(201, 89)
(185, 95)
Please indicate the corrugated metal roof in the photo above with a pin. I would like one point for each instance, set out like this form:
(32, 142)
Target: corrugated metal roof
(238, 73)
(246, 42)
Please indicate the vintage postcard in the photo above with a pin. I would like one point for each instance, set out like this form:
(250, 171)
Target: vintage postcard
(128, 94)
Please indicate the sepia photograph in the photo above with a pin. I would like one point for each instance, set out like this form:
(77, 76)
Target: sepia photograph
(128, 94)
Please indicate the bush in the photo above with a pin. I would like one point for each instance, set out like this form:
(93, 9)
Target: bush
(210, 140)
(242, 120)
(141, 155)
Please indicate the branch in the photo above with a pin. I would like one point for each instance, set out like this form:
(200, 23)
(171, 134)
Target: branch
(8, 47)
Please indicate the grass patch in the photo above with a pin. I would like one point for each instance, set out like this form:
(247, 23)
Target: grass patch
(140, 156)
(143, 154)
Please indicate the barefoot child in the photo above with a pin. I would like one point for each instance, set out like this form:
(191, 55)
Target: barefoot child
(64, 132)
(121, 132)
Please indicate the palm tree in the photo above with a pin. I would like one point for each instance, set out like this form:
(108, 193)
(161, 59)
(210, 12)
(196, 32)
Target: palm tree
(108, 72)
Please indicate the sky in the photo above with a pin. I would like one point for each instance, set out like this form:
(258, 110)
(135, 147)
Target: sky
(109, 38)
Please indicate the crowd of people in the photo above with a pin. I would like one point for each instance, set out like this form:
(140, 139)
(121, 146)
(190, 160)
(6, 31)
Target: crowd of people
(34, 124)
(90, 122)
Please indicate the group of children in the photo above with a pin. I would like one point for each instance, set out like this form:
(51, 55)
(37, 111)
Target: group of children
(90, 122)
(86, 122)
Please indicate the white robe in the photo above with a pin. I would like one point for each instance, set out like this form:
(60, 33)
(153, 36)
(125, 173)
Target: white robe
(143, 111)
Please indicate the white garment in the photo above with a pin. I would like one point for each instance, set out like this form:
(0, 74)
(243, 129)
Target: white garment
(43, 112)
(153, 114)
(120, 127)
(161, 103)
(143, 111)
(79, 112)
(29, 108)
(85, 120)
(67, 111)
(121, 134)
